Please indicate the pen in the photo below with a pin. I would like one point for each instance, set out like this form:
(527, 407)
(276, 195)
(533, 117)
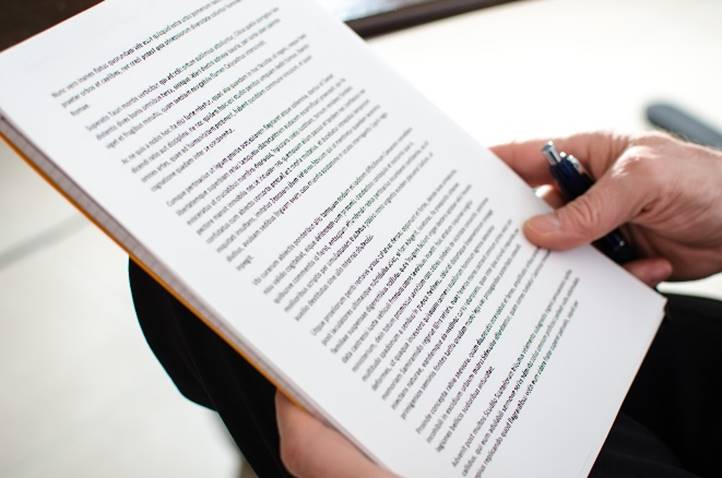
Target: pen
(574, 181)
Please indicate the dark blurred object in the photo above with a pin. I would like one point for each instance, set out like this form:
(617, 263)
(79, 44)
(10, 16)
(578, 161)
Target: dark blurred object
(373, 17)
(21, 19)
(680, 123)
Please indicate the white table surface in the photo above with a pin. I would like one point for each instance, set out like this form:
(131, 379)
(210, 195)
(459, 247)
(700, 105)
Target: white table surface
(539, 68)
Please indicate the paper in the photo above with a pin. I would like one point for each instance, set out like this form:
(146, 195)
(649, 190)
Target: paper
(338, 228)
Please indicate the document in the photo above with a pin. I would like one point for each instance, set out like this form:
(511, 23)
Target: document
(333, 226)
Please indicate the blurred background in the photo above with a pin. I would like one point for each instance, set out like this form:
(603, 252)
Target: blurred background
(83, 396)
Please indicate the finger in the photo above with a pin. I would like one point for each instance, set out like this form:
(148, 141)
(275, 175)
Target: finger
(311, 449)
(596, 150)
(526, 160)
(611, 202)
(551, 195)
(651, 271)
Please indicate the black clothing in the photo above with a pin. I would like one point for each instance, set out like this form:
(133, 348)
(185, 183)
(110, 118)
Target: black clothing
(669, 424)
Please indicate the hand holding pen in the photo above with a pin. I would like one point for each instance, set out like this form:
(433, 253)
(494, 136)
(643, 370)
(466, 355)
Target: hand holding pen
(665, 193)
(573, 181)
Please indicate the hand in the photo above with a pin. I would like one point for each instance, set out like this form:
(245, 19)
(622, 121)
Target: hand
(668, 193)
(311, 449)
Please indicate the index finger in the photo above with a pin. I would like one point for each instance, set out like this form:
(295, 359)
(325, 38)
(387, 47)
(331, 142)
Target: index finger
(597, 151)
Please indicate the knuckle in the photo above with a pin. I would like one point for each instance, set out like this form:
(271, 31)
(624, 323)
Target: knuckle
(641, 166)
(652, 138)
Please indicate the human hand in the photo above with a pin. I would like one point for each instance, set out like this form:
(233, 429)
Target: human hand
(311, 449)
(667, 193)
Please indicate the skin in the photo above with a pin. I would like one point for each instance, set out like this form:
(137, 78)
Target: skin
(666, 193)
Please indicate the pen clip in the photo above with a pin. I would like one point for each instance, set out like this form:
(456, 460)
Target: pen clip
(555, 157)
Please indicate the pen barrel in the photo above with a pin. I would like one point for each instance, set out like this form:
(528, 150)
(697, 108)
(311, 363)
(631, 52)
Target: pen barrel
(573, 183)
(616, 247)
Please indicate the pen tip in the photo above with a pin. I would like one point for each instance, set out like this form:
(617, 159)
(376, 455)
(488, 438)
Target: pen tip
(550, 152)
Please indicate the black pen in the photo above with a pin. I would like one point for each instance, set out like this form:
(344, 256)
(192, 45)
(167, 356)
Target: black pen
(573, 181)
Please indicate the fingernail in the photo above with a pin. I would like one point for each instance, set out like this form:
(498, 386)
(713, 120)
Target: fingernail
(546, 224)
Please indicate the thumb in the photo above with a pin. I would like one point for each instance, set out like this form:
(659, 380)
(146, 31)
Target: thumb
(610, 202)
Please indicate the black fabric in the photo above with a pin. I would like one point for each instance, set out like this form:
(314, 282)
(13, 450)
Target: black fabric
(668, 426)
(209, 372)
(676, 392)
